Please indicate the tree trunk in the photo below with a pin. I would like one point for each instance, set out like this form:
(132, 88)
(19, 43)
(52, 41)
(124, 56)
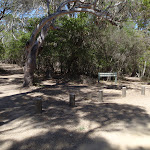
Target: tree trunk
(30, 67)
(32, 52)
(144, 69)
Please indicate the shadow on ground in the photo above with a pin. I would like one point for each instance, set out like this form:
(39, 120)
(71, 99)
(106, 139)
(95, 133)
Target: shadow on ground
(56, 112)
(62, 140)
(139, 148)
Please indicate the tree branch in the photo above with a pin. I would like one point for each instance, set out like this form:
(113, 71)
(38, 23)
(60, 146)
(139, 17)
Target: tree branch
(34, 44)
(48, 10)
(94, 4)
(2, 13)
(83, 8)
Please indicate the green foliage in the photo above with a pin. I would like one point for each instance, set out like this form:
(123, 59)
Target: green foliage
(14, 49)
(2, 50)
(143, 19)
(146, 3)
(31, 24)
(67, 46)
(15, 41)
(83, 45)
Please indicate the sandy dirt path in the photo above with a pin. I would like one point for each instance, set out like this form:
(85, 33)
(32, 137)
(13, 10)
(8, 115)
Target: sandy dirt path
(116, 124)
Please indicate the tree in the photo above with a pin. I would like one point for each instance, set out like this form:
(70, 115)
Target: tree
(144, 17)
(109, 11)
(3, 9)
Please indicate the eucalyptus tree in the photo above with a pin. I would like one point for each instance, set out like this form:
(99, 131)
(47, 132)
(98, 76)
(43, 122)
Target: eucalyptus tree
(14, 14)
(111, 11)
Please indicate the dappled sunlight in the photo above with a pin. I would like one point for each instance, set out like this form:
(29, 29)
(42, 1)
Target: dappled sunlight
(62, 139)
(22, 129)
(112, 124)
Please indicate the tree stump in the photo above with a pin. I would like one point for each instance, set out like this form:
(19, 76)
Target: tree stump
(72, 100)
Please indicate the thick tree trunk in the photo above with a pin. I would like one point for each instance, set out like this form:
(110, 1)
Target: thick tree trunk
(30, 67)
(32, 53)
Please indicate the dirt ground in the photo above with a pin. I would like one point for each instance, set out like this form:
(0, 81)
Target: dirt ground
(117, 123)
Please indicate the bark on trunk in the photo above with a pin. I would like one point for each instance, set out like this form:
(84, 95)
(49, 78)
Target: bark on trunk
(30, 66)
(32, 53)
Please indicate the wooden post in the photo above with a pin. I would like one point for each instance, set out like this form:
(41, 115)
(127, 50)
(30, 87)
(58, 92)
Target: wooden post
(100, 95)
(143, 90)
(124, 91)
(98, 77)
(38, 104)
(89, 96)
(72, 100)
(116, 80)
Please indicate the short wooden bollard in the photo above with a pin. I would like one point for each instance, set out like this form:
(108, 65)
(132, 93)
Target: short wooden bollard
(100, 95)
(89, 96)
(143, 90)
(38, 105)
(124, 91)
(72, 100)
